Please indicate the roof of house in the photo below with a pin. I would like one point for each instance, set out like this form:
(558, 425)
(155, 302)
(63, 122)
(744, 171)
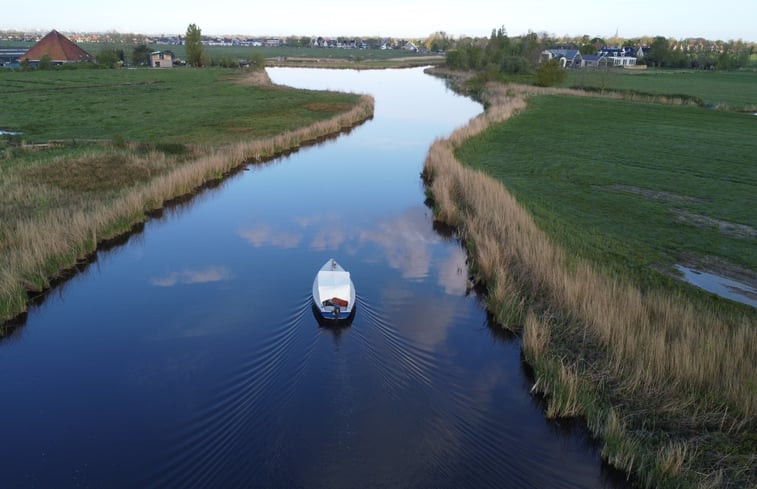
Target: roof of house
(58, 47)
(592, 57)
(568, 53)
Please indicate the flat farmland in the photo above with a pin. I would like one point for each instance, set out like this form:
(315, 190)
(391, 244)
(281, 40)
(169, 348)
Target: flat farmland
(631, 186)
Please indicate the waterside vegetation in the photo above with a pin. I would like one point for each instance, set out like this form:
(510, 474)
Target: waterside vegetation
(663, 376)
(86, 171)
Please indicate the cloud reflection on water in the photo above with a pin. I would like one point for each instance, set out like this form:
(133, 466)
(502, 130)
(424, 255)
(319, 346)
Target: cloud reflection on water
(407, 242)
(188, 277)
(265, 235)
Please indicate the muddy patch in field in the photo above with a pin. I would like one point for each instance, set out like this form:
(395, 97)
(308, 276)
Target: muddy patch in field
(720, 277)
(657, 195)
(725, 227)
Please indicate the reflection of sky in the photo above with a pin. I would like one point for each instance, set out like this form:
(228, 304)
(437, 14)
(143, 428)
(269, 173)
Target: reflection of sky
(265, 235)
(722, 286)
(407, 242)
(188, 277)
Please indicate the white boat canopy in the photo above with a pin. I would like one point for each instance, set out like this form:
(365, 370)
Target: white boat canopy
(333, 284)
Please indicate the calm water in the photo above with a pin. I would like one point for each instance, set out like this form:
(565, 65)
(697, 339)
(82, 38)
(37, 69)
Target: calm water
(720, 285)
(190, 356)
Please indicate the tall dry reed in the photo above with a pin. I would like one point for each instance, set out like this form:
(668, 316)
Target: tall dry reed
(653, 345)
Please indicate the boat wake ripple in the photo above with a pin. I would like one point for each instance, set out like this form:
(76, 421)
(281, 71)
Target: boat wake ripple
(211, 442)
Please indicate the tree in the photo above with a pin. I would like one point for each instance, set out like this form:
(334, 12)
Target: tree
(45, 62)
(193, 44)
(140, 55)
(659, 52)
(588, 48)
(550, 73)
(108, 58)
(257, 61)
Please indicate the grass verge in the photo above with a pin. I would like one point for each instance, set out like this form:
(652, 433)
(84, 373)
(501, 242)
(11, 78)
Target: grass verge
(665, 381)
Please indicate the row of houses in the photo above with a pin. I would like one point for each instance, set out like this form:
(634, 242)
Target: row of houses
(320, 42)
(605, 57)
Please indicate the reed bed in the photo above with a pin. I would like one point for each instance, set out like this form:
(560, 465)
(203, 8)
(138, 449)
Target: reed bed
(662, 380)
(53, 232)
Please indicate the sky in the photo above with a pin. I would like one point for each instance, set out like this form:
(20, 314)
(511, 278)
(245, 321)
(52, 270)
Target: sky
(723, 19)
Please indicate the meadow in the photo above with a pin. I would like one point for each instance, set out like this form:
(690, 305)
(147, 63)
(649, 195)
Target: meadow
(634, 187)
(100, 149)
(245, 52)
(564, 200)
(208, 106)
(736, 90)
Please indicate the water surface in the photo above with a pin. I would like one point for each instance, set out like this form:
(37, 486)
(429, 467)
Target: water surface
(720, 285)
(190, 356)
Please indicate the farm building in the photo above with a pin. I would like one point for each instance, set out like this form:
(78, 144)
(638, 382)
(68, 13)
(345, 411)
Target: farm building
(10, 56)
(58, 48)
(161, 59)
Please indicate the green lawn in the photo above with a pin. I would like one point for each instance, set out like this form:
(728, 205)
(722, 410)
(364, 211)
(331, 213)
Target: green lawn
(175, 106)
(631, 186)
(737, 89)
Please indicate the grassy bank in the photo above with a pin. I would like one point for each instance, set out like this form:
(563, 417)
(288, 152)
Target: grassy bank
(664, 379)
(59, 200)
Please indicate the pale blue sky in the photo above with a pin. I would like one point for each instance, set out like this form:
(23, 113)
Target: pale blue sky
(723, 19)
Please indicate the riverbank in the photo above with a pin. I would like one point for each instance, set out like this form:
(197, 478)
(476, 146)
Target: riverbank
(59, 199)
(666, 382)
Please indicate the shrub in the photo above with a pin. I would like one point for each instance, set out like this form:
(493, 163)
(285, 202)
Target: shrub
(550, 73)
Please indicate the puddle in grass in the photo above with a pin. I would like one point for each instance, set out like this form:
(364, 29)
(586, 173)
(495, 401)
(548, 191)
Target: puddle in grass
(720, 285)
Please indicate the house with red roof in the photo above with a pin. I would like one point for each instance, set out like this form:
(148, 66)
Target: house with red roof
(59, 48)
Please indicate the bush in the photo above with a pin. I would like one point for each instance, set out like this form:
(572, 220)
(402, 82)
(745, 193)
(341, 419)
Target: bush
(257, 61)
(550, 73)
(515, 65)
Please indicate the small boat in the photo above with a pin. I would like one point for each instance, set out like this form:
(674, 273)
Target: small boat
(333, 291)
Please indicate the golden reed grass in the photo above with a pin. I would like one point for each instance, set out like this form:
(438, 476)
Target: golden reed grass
(653, 345)
(37, 247)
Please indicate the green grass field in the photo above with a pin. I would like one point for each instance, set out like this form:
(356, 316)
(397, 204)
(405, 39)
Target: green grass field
(736, 89)
(240, 52)
(206, 106)
(631, 186)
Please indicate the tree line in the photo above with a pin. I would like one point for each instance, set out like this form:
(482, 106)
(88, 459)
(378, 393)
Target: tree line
(501, 55)
(716, 55)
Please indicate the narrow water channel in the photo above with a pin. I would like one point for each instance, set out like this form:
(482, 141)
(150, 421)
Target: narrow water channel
(190, 356)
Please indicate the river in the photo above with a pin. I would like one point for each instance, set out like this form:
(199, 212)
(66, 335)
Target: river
(189, 355)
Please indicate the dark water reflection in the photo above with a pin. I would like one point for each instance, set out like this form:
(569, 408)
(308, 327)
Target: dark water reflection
(189, 356)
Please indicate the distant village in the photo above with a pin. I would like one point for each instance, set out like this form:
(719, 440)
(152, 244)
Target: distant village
(568, 52)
